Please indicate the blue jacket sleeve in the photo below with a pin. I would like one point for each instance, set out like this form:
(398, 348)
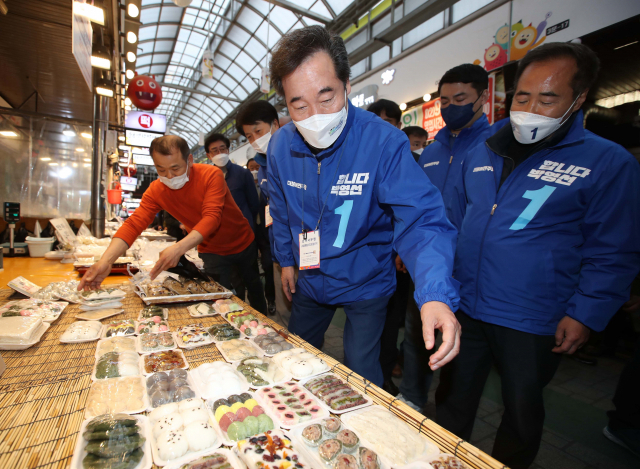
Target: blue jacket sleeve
(611, 248)
(282, 240)
(423, 237)
(457, 204)
(251, 193)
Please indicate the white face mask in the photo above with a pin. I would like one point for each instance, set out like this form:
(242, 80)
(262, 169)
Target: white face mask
(418, 151)
(177, 182)
(220, 160)
(321, 130)
(255, 174)
(531, 128)
(260, 144)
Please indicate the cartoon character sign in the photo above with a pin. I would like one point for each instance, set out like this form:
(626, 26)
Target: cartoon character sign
(145, 92)
(524, 41)
(495, 56)
(502, 36)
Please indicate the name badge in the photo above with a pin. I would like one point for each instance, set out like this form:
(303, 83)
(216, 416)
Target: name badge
(268, 219)
(310, 250)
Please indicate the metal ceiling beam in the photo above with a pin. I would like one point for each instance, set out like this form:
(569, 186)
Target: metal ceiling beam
(351, 15)
(193, 90)
(412, 20)
(300, 11)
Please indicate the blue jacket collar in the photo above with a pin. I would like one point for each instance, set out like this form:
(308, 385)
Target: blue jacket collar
(478, 126)
(298, 144)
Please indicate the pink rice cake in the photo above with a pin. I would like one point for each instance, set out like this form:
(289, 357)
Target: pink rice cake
(290, 404)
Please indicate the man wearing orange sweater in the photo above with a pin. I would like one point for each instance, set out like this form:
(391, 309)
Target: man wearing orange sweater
(197, 195)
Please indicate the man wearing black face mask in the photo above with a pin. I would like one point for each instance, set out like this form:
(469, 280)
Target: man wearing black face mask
(463, 93)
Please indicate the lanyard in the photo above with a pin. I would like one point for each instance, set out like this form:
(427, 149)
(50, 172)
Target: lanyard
(304, 188)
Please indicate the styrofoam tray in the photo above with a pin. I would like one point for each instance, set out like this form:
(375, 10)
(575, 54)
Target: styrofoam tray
(242, 335)
(139, 344)
(140, 333)
(323, 414)
(225, 438)
(309, 376)
(101, 305)
(235, 326)
(79, 453)
(231, 457)
(42, 312)
(200, 384)
(287, 376)
(431, 449)
(95, 365)
(180, 344)
(145, 397)
(80, 341)
(253, 340)
(24, 286)
(165, 315)
(190, 381)
(327, 406)
(106, 326)
(191, 454)
(311, 453)
(37, 337)
(99, 352)
(185, 367)
(283, 433)
(107, 313)
(194, 314)
(259, 353)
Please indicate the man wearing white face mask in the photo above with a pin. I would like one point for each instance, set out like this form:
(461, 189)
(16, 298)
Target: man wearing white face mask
(344, 193)
(197, 195)
(548, 247)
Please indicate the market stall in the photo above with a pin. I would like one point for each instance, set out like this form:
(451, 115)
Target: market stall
(46, 393)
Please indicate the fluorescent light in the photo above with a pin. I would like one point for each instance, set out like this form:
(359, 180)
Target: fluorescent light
(130, 74)
(121, 138)
(53, 164)
(80, 150)
(8, 133)
(86, 135)
(426, 97)
(94, 13)
(133, 10)
(104, 91)
(403, 106)
(131, 37)
(127, 101)
(69, 133)
(131, 57)
(100, 62)
(127, 108)
(75, 165)
(46, 158)
(86, 165)
(630, 44)
(64, 173)
(124, 147)
(88, 160)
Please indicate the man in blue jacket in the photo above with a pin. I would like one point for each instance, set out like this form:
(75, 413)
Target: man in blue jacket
(548, 248)
(344, 194)
(463, 93)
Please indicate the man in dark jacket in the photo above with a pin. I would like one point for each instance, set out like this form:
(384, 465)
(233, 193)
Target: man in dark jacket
(548, 248)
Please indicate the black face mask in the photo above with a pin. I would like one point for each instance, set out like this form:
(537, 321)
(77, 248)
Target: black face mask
(456, 116)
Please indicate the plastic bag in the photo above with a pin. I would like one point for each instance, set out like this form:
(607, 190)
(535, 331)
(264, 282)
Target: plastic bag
(114, 441)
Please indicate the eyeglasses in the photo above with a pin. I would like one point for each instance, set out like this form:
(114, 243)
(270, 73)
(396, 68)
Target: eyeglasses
(217, 150)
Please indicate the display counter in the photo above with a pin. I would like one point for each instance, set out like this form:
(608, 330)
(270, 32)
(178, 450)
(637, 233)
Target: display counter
(44, 390)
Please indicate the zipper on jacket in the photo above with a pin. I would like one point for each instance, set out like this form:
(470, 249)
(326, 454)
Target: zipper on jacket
(493, 209)
(319, 164)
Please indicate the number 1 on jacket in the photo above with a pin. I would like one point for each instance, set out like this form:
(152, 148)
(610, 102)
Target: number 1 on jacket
(538, 198)
(345, 212)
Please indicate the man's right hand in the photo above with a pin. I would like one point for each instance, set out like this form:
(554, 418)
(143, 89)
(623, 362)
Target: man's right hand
(288, 281)
(400, 267)
(93, 277)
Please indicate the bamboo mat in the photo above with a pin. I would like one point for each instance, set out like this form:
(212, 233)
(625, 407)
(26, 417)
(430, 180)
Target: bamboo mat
(44, 390)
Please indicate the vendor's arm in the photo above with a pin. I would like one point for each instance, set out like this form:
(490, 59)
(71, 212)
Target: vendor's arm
(282, 240)
(93, 277)
(171, 255)
(610, 255)
(425, 240)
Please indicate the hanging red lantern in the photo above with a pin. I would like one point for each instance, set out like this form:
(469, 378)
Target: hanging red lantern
(144, 92)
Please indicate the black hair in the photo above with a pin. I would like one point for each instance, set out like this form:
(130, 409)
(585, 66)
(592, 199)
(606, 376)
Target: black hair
(467, 73)
(215, 138)
(297, 46)
(167, 143)
(249, 161)
(390, 108)
(415, 130)
(252, 113)
(587, 62)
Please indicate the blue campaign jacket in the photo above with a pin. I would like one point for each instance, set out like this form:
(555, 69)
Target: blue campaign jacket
(376, 202)
(561, 236)
(264, 193)
(243, 190)
(443, 164)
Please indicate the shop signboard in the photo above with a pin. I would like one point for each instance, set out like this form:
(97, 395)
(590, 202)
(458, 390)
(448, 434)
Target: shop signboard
(431, 118)
(140, 138)
(141, 156)
(364, 97)
(145, 121)
(82, 43)
(128, 183)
